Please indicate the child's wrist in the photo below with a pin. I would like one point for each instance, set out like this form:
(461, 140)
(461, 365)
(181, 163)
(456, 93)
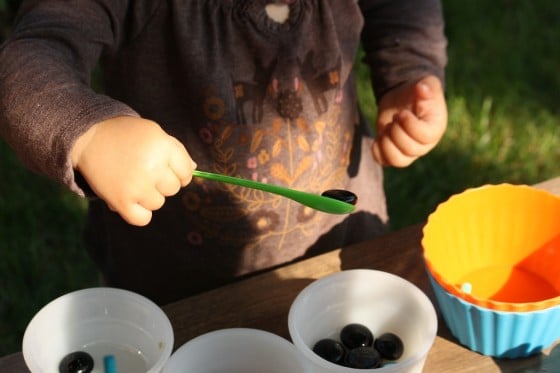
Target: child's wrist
(80, 144)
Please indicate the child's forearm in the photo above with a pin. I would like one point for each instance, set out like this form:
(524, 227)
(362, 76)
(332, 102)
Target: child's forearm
(45, 98)
(404, 41)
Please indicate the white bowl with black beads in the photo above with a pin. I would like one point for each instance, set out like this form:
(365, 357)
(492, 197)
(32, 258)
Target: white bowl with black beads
(380, 301)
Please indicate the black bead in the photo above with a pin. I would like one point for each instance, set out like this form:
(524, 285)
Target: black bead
(356, 335)
(76, 362)
(331, 350)
(341, 195)
(363, 358)
(390, 346)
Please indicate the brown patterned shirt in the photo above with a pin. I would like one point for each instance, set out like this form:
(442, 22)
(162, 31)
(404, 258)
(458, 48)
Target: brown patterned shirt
(248, 96)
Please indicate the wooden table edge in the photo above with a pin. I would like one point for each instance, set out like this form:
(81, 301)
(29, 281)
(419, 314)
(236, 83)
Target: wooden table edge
(469, 362)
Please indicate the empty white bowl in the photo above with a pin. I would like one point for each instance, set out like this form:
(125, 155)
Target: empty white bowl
(237, 350)
(381, 301)
(99, 321)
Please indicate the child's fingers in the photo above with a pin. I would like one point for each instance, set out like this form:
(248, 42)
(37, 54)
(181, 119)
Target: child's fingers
(426, 131)
(181, 163)
(152, 201)
(431, 109)
(396, 146)
(407, 144)
(388, 154)
(136, 214)
(168, 184)
(136, 206)
(427, 87)
(411, 124)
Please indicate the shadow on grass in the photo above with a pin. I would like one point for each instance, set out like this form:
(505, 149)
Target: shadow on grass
(414, 192)
(41, 250)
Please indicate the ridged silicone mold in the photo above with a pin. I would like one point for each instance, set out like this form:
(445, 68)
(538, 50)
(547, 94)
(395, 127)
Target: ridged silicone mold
(497, 246)
(500, 334)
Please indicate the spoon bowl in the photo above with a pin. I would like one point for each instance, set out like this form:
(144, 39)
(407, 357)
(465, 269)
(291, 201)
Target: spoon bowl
(341, 195)
(327, 204)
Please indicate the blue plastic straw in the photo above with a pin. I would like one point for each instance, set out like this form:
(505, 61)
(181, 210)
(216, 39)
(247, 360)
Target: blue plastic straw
(110, 364)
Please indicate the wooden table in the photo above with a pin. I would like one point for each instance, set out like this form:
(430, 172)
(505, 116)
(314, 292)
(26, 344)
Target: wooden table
(263, 302)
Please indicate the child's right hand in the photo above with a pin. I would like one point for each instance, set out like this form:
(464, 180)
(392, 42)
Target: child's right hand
(132, 164)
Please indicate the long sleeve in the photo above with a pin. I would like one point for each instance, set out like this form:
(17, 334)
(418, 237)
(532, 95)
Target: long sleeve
(245, 95)
(403, 40)
(45, 67)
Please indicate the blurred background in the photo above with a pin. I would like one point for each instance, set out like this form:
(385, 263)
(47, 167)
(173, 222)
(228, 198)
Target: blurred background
(503, 92)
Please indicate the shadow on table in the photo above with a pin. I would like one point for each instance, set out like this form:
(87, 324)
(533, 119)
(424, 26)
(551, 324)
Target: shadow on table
(544, 362)
(266, 308)
(548, 362)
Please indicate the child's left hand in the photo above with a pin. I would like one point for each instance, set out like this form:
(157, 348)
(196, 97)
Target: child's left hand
(411, 120)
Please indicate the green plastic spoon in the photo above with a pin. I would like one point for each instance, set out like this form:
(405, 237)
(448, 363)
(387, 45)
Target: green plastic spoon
(315, 201)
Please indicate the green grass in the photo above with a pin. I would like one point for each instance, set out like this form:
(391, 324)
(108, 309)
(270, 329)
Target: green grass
(503, 90)
(41, 253)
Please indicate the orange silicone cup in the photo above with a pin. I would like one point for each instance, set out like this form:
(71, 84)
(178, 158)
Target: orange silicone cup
(497, 246)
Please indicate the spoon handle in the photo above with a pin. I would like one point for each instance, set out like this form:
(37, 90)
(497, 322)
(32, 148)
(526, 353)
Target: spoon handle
(314, 201)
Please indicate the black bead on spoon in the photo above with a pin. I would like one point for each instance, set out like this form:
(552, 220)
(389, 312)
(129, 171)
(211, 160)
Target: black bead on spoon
(341, 195)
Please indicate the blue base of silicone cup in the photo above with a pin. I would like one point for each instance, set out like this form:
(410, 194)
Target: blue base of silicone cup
(494, 333)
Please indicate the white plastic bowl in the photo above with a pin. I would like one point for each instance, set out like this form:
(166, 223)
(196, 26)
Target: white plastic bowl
(100, 321)
(381, 301)
(237, 350)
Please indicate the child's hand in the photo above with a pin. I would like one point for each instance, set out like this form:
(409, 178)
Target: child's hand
(411, 120)
(132, 164)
